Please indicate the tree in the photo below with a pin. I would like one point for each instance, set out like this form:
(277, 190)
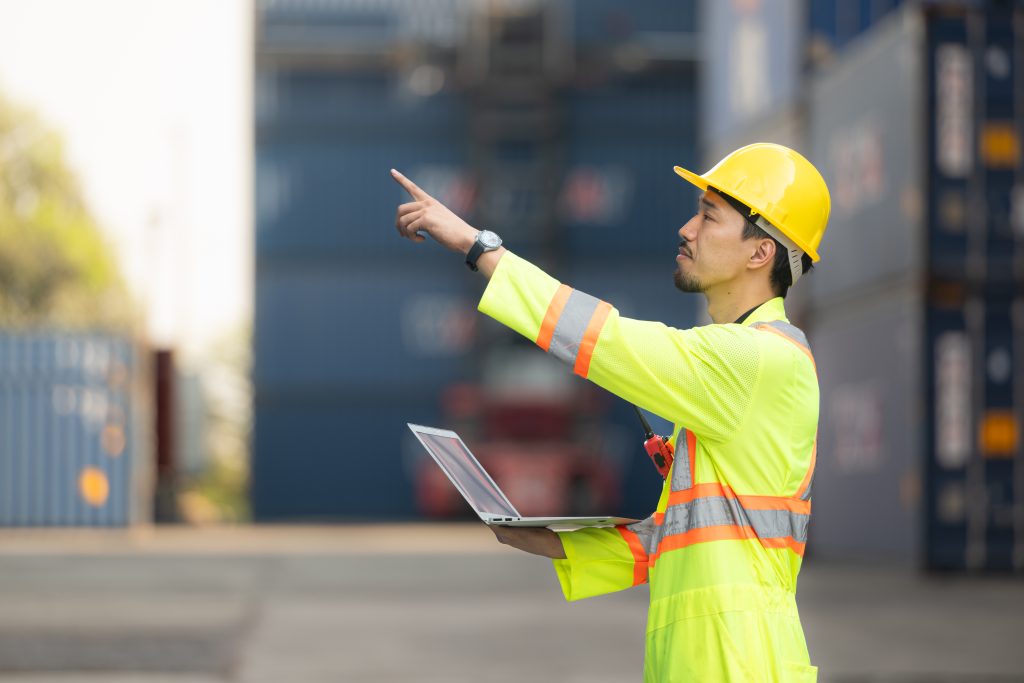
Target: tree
(56, 270)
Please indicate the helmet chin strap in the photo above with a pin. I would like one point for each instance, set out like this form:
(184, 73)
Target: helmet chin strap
(796, 255)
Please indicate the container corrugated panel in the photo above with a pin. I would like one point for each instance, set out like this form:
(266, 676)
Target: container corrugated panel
(620, 196)
(834, 23)
(975, 468)
(868, 355)
(370, 24)
(337, 456)
(999, 164)
(951, 142)
(752, 57)
(604, 21)
(310, 103)
(337, 199)
(974, 156)
(865, 138)
(363, 327)
(322, 161)
(66, 431)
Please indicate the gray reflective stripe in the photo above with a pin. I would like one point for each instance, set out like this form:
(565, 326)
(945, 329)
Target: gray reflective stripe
(645, 531)
(806, 495)
(791, 331)
(571, 326)
(797, 335)
(720, 511)
(681, 464)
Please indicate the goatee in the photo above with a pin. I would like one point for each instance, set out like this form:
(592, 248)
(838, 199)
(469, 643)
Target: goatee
(687, 283)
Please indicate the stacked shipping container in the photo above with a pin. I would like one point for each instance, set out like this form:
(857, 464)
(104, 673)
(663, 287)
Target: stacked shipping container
(355, 332)
(911, 315)
(914, 118)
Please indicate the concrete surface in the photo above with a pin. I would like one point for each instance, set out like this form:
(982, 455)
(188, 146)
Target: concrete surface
(426, 603)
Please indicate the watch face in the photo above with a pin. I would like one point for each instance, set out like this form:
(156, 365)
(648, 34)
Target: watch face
(489, 240)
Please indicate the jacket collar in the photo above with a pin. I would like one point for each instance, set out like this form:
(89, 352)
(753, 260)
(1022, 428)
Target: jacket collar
(773, 309)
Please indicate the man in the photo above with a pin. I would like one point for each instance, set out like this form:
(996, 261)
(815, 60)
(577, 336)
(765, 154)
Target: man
(723, 549)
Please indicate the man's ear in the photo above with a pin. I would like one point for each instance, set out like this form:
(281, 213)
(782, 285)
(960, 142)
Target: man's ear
(764, 254)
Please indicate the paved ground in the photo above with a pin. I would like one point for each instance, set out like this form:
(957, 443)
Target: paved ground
(426, 603)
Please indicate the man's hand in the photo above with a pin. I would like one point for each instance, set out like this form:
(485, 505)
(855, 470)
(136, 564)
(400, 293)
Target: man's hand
(535, 540)
(428, 215)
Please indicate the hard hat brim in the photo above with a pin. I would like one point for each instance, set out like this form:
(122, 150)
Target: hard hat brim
(702, 183)
(691, 177)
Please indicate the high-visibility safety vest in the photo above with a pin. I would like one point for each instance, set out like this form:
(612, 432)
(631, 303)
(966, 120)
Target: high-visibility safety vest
(723, 549)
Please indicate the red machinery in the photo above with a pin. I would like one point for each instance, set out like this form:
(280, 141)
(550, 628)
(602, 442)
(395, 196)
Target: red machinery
(544, 450)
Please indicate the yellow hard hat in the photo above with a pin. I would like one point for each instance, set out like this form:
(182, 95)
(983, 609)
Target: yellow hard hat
(779, 185)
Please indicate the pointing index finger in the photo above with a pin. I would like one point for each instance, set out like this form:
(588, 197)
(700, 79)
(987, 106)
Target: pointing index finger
(412, 188)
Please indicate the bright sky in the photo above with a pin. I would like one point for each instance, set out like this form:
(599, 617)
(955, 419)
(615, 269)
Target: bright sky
(153, 100)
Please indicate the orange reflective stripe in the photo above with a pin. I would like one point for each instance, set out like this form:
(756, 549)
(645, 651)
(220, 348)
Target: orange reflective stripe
(794, 545)
(590, 338)
(807, 351)
(730, 532)
(639, 555)
(810, 472)
(802, 507)
(554, 312)
(747, 502)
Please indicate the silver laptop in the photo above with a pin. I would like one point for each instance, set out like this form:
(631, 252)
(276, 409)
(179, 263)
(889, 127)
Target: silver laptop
(480, 491)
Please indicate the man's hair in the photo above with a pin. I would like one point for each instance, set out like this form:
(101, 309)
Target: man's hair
(781, 279)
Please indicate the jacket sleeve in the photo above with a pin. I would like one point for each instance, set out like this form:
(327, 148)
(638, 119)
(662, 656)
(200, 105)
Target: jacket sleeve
(603, 560)
(703, 377)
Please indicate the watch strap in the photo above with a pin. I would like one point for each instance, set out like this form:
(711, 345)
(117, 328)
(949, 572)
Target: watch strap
(478, 249)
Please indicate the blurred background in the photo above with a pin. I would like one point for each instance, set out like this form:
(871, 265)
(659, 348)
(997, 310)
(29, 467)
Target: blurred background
(211, 338)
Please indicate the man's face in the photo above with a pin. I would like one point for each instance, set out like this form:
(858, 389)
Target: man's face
(711, 246)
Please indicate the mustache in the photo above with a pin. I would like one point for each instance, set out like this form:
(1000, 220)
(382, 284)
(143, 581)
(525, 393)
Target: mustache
(684, 247)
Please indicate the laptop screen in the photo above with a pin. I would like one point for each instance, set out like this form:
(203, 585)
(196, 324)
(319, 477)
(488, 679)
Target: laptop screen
(463, 469)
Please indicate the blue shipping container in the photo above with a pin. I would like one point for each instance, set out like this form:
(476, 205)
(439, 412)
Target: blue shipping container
(621, 196)
(364, 327)
(337, 456)
(67, 431)
(973, 490)
(599, 22)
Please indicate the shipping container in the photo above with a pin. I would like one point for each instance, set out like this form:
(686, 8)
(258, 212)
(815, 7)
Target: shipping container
(337, 456)
(912, 200)
(865, 138)
(974, 469)
(600, 22)
(620, 197)
(365, 328)
(326, 29)
(323, 156)
(357, 332)
(915, 130)
(833, 24)
(751, 61)
(870, 439)
(71, 450)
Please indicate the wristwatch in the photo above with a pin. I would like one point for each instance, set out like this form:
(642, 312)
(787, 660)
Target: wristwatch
(485, 241)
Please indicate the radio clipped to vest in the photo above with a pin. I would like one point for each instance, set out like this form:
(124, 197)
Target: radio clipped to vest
(657, 447)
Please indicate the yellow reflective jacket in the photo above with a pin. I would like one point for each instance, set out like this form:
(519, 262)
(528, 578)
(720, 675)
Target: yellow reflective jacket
(723, 548)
